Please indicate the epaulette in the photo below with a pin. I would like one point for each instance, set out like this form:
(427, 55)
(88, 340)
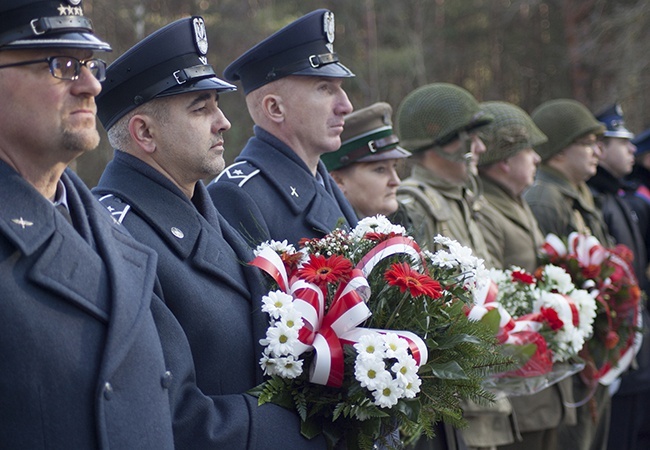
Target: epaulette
(115, 206)
(239, 173)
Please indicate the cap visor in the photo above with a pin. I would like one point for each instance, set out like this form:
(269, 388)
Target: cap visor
(334, 70)
(206, 84)
(396, 153)
(63, 40)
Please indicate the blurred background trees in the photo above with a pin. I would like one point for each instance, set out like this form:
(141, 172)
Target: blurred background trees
(521, 51)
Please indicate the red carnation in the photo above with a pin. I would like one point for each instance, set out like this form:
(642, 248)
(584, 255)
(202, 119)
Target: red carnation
(551, 318)
(523, 277)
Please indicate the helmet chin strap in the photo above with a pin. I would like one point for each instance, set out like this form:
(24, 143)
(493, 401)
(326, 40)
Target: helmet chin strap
(464, 152)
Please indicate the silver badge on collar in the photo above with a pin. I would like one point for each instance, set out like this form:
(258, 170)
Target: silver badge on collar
(200, 36)
(328, 29)
(74, 2)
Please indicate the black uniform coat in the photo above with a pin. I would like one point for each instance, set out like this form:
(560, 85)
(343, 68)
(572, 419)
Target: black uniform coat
(269, 193)
(82, 364)
(215, 296)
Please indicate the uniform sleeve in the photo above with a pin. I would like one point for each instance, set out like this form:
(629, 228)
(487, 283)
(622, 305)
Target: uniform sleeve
(551, 211)
(220, 422)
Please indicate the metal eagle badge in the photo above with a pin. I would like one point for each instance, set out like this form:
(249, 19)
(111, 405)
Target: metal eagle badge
(200, 38)
(328, 29)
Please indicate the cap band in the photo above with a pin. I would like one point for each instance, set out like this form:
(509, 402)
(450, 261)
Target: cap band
(179, 77)
(44, 25)
(375, 146)
(313, 61)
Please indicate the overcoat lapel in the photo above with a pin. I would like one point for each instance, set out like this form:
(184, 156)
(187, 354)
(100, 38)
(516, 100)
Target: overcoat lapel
(131, 273)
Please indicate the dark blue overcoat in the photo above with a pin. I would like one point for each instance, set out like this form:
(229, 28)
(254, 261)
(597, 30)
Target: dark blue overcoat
(214, 294)
(82, 365)
(269, 193)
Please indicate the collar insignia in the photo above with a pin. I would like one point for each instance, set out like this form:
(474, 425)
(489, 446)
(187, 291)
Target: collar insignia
(22, 222)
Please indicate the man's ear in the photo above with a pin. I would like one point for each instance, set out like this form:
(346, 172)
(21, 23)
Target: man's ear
(140, 131)
(273, 107)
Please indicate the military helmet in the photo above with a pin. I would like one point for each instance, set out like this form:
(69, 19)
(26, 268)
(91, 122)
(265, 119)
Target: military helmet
(563, 121)
(435, 114)
(512, 131)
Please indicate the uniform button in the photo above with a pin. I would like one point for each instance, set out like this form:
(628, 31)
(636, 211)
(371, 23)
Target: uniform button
(108, 391)
(166, 380)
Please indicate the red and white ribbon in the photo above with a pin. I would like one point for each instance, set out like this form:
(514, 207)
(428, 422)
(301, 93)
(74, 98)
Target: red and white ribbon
(327, 332)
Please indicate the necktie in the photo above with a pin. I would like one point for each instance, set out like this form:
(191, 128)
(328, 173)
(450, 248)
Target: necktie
(64, 211)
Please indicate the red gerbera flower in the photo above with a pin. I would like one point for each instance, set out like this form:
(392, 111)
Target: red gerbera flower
(523, 277)
(404, 277)
(321, 270)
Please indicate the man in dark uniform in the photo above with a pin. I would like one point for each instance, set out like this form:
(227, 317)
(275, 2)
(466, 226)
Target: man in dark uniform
(629, 403)
(278, 188)
(82, 362)
(160, 108)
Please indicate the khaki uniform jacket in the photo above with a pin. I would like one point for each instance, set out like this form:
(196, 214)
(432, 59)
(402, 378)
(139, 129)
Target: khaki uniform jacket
(561, 208)
(437, 206)
(509, 228)
(513, 238)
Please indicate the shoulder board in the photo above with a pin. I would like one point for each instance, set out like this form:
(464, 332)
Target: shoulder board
(238, 173)
(115, 206)
(434, 203)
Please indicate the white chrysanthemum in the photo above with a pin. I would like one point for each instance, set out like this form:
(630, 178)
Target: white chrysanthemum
(405, 369)
(268, 364)
(277, 246)
(443, 240)
(395, 346)
(291, 318)
(387, 395)
(586, 305)
(412, 387)
(371, 373)
(499, 276)
(288, 367)
(443, 259)
(557, 278)
(275, 303)
(376, 224)
(280, 339)
(370, 346)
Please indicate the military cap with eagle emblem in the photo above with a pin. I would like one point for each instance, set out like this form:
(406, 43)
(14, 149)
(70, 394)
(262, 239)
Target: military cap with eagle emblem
(169, 61)
(305, 47)
(46, 24)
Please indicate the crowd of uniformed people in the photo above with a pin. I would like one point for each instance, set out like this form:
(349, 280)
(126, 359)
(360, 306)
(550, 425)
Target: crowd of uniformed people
(129, 317)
